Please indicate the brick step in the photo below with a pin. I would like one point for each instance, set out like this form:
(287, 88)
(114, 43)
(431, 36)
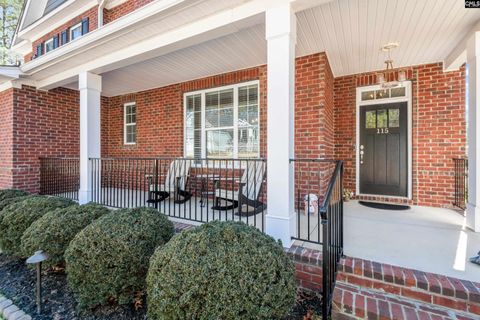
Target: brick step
(355, 302)
(412, 284)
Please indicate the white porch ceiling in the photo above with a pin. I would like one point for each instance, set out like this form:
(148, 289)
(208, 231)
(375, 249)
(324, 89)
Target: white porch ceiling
(349, 31)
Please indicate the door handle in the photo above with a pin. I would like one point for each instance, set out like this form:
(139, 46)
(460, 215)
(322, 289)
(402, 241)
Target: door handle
(361, 153)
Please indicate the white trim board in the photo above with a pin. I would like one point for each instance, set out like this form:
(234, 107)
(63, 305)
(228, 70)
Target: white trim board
(407, 98)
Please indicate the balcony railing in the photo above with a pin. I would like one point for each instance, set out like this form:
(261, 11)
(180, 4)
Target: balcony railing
(461, 183)
(60, 177)
(198, 190)
(202, 190)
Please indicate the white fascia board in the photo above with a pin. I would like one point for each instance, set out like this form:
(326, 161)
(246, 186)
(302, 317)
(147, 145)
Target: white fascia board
(12, 72)
(458, 56)
(58, 17)
(23, 48)
(99, 36)
(113, 3)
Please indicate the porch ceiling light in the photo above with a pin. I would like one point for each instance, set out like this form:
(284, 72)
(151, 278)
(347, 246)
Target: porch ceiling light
(383, 77)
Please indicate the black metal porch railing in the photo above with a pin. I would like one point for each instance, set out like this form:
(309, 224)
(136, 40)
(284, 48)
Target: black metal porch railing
(199, 190)
(461, 183)
(319, 205)
(60, 177)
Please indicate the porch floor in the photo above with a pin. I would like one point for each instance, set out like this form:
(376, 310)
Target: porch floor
(423, 238)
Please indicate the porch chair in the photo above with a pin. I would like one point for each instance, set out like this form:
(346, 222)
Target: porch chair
(175, 182)
(248, 192)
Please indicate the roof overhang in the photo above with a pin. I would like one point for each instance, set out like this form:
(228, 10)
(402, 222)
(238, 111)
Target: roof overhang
(156, 29)
(28, 31)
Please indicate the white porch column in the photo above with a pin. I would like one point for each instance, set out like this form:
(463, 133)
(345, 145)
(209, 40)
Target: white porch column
(281, 37)
(473, 133)
(90, 86)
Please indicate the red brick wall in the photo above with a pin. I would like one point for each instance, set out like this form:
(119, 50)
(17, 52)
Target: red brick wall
(6, 133)
(439, 129)
(46, 124)
(123, 9)
(92, 15)
(160, 116)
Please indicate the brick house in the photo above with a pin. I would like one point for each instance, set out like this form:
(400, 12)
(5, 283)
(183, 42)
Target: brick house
(106, 85)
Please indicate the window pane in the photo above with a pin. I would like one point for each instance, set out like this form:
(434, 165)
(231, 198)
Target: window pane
(226, 98)
(242, 96)
(253, 115)
(248, 142)
(368, 95)
(397, 92)
(393, 118)
(252, 94)
(382, 94)
(49, 46)
(371, 119)
(219, 143)
(76, 32)
(211, 118)
(211, 100)
(130, 136)
(381, 118)
(226, 117)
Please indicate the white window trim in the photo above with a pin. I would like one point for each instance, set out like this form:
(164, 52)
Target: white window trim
(49, 41)
(73, 28)
(125, 124)
(359, 102)
(235, 116)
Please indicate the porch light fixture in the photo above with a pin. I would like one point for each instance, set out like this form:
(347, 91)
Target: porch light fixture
(382, 77)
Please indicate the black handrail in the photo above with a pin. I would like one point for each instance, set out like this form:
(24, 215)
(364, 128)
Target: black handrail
(332, 229)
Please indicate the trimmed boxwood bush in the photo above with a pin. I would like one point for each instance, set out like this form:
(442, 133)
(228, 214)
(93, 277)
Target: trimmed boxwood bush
(8, 201)
(18, 216)
(11, 193)
(108, 260)
(53, 232)
(220, 270)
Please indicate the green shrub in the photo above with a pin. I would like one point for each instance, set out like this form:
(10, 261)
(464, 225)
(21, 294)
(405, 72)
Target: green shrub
(220, 270)
(18, 216)
(8, 201)
(108, 260)
(53, 232)
(11, 193)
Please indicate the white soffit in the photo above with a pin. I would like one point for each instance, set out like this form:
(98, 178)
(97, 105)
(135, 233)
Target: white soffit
(350, 31)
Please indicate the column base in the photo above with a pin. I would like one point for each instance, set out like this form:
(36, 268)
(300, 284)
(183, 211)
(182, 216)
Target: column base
(473, 217)
(84, 196)
(281, 228)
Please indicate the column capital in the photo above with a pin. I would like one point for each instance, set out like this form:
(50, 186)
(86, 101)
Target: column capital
(280, 20)
(88, 80)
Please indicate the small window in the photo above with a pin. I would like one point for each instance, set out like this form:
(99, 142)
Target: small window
(397, 92)
(393, 118)
(130, 128)
(368, 95)
(49, 45)
(382, 94)
(76, 31)
(371, 119)
(382, 118)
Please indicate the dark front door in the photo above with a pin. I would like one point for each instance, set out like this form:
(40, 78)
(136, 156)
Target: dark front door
(383, 149)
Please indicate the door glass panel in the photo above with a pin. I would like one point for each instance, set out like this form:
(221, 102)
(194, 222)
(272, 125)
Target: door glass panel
(393, 118)
(397, 92)
(371, 119)
(368, 95)
(382, 94)
(382, 118)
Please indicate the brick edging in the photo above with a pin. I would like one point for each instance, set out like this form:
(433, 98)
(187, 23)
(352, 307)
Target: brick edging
(430, 288)
(10, 311)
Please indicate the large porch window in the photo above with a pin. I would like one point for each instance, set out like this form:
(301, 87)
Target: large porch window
(222, 122)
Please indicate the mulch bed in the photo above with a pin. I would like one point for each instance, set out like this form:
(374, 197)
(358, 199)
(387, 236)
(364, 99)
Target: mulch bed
(17, 282)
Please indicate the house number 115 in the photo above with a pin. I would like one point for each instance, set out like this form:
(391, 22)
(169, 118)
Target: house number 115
(382, 130)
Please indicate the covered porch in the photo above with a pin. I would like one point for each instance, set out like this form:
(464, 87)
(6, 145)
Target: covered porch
(312, 70)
